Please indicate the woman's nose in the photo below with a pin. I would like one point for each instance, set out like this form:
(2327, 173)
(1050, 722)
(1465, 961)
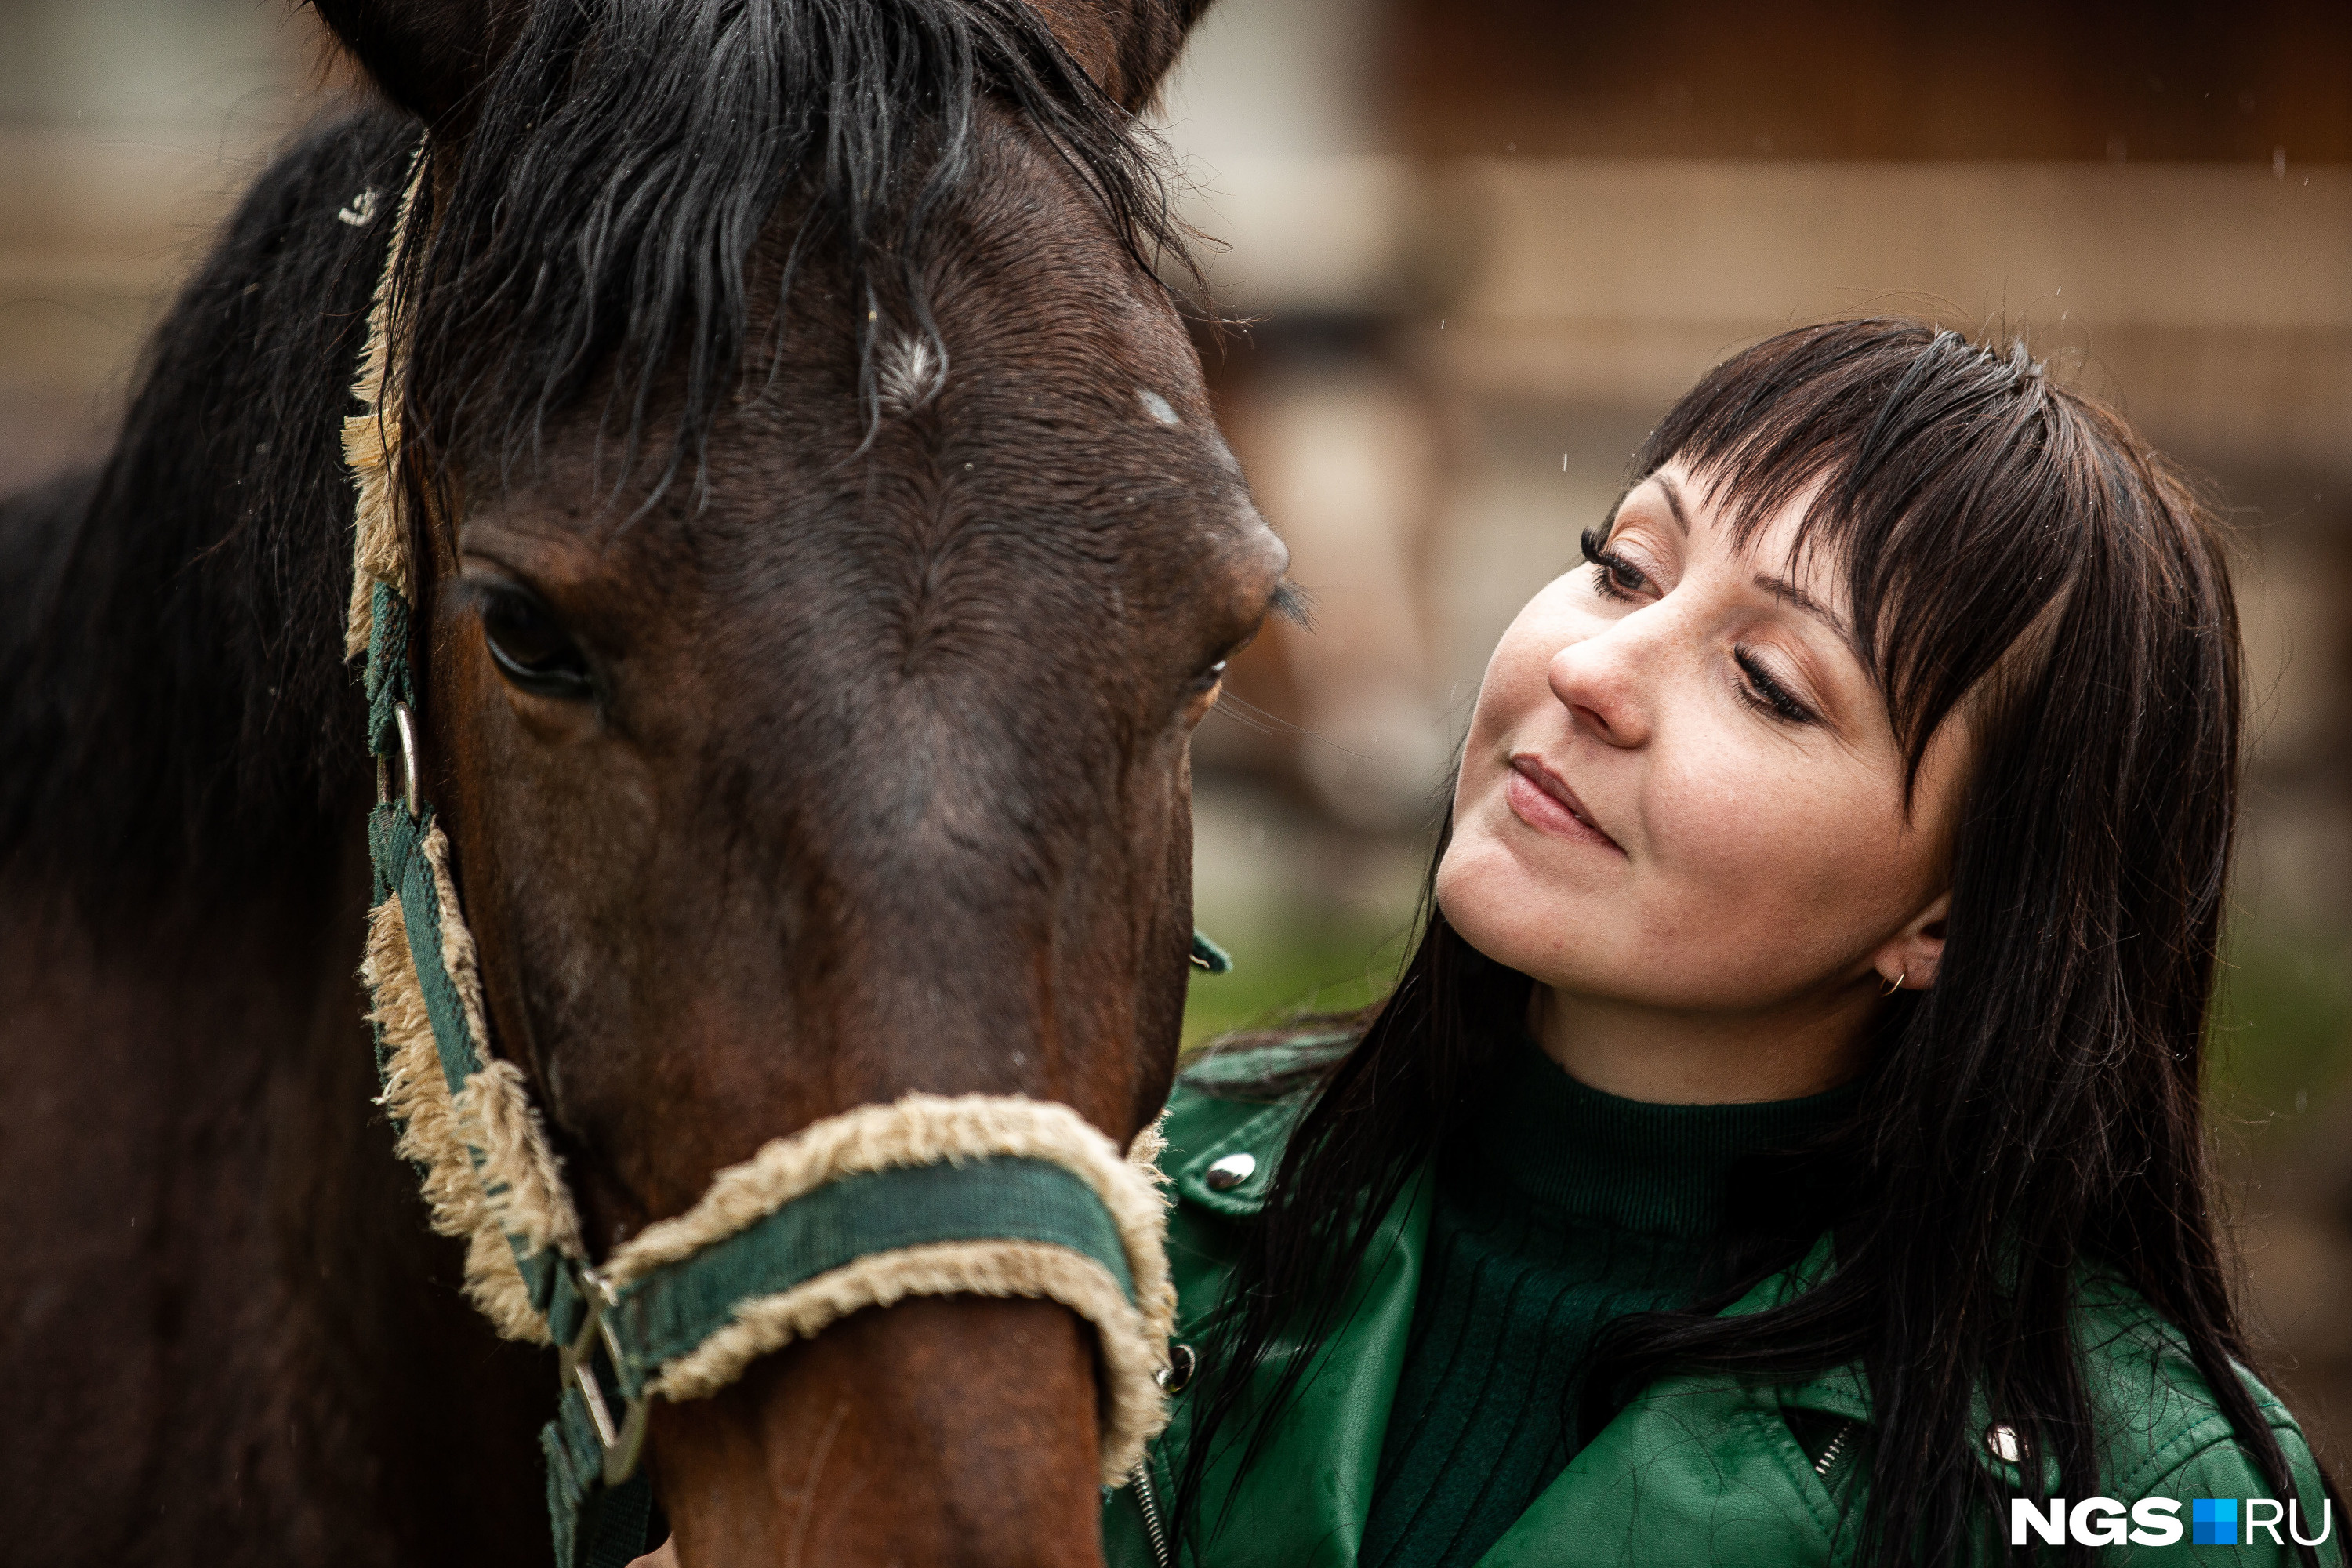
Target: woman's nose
(1597, 680)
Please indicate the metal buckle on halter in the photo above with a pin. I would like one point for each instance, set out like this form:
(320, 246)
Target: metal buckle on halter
(576, 1367)
(405, 725)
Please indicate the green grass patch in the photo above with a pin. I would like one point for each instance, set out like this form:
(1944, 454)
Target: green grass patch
(2282, 1038)
(1285, 968)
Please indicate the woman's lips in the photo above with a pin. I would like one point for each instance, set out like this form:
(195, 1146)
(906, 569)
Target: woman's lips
(1542, 798)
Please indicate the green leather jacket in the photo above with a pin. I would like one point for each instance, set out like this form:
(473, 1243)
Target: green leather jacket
(1697, 1469)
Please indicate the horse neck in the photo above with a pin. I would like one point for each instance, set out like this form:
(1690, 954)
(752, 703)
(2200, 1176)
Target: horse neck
(229, 1322)
(229, 1319)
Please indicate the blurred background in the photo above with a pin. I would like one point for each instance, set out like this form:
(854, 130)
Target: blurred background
(1480, 246)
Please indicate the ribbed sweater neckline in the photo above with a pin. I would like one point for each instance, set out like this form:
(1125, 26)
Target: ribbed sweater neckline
(1627, 1165)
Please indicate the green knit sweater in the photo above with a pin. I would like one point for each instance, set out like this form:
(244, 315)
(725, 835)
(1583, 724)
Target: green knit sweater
(1560, 1208)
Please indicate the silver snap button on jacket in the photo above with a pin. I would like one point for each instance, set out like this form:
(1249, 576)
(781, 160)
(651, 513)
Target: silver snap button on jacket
(1231, 1171)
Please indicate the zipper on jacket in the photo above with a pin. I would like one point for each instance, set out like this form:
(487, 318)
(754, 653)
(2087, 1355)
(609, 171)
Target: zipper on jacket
(1835, 1452)
(1148, 1503)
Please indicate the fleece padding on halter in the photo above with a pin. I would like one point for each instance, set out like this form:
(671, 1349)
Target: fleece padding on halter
(965, 1168)
(979, 1195)
(466, 1120)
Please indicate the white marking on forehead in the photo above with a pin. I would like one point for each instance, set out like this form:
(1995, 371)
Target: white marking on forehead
(907, 374)
(1156, 406)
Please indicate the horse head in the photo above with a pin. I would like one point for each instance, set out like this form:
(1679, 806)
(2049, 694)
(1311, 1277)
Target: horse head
(823, 552)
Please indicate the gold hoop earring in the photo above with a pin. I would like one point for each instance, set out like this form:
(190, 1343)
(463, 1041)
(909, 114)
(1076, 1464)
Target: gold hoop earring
(1897, 984)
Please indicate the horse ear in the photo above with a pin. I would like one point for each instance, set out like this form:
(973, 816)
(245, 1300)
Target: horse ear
(1127, 46)
(428, 55)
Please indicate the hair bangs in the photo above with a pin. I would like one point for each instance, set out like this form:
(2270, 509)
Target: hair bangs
(1947, 480)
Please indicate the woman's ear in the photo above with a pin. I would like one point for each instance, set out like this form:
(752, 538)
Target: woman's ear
(1910, 962)
(429, 56)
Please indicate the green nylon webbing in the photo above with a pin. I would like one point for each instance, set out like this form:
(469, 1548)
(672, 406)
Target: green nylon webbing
(396, 849)
(671, 1311)
(595, 1525)
(420, 911)
(387, 676)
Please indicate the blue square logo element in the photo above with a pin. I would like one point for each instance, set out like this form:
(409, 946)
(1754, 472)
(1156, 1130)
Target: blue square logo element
(2213, 1521)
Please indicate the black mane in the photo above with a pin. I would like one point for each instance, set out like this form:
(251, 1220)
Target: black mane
(175, 709)
(625, 159)
(173, 696)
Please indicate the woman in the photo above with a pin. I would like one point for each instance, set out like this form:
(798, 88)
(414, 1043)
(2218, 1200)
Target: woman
(1784, 1144)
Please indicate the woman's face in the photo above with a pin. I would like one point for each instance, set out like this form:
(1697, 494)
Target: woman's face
(1680, 791)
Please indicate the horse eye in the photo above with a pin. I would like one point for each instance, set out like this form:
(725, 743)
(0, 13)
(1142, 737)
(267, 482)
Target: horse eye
(532, 650)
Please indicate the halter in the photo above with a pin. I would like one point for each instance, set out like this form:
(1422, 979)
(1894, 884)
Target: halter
(976, 1194)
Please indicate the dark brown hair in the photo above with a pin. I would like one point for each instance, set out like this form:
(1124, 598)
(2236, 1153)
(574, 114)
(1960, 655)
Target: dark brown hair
(2037, 1112)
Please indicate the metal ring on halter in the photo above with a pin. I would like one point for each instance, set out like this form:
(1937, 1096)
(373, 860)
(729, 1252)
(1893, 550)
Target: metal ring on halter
(620, 1444)
(409, 793)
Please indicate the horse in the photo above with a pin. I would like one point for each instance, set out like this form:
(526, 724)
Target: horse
(821, 552)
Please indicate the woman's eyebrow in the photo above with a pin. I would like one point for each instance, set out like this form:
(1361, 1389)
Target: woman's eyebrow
(1675, 503)
(1781, 588)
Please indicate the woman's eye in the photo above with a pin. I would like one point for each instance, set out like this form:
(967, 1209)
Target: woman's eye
(1767, 694)
(532, 650)
(1613, 575)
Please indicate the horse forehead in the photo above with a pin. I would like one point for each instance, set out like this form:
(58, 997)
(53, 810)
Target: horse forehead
(1095, 506)
(1012, 493)
(886, 606)
(1025, 261)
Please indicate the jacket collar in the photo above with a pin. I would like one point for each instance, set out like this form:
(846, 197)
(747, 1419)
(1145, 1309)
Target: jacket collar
(1304, 1501)
(1261, 1138)
(1844, 1391)
(1835, 1392)
(1841, 1391)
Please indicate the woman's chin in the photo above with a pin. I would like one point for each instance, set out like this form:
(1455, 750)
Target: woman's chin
(1508, 910)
